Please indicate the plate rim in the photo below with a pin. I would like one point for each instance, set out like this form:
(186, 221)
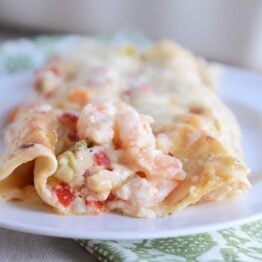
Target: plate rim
(127, 235)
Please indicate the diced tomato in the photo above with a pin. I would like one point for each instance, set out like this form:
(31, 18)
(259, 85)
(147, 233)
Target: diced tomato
(102, 159)
(69, 119)
(64, 194)
(95, 204)
(111, 197)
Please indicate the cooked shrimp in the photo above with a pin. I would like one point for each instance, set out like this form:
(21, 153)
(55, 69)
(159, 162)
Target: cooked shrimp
(135, 130)
(137, 139)
(135, 189)
(131, 132)
(96, 123)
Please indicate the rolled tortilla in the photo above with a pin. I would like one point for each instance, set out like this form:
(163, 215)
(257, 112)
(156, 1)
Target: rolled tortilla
(214, 174)
(29, 150)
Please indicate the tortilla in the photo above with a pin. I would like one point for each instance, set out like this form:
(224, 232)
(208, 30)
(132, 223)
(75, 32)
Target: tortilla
(29, 150)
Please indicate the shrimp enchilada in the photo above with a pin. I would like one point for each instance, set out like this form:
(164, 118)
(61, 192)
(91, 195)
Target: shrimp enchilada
(116, 129)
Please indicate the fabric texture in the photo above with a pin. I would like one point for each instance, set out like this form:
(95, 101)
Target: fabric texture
(241, 243)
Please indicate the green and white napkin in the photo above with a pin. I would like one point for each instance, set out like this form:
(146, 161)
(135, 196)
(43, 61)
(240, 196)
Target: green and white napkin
(240, 243)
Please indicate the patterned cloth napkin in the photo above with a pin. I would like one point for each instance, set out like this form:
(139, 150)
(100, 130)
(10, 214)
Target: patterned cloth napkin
(241, 243)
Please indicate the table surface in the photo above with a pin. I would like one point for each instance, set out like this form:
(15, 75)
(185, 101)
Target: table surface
(17, 246)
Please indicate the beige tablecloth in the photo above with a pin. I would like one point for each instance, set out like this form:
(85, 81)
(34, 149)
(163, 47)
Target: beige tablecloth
(22, 247)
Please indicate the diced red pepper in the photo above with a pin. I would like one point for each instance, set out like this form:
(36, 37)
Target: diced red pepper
(64, 194)
(99, 205)
(102, 159)
(111, 197)
(73, 137)
(69, 119)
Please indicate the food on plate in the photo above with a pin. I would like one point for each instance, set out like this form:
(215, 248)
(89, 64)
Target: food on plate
(116, 129)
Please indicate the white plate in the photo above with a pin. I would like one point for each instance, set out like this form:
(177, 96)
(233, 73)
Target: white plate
(242, 90)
